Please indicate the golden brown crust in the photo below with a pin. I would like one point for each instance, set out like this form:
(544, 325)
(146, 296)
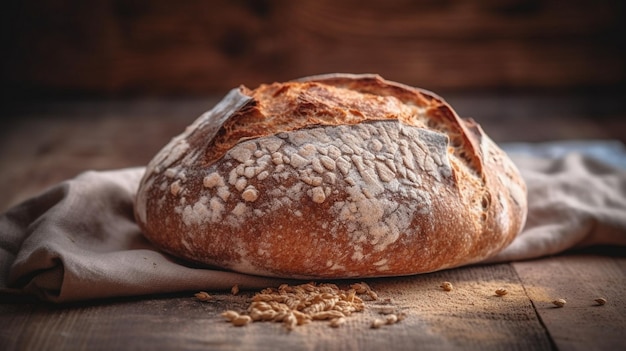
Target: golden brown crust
(332, 176)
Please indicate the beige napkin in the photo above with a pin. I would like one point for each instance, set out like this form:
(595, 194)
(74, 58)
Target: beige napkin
(573, 202)
(78, 240)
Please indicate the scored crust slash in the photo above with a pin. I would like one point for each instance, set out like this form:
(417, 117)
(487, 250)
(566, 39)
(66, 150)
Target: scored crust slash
(332, 176)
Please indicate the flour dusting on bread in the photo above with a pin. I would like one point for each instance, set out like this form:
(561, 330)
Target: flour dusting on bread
(332, 177)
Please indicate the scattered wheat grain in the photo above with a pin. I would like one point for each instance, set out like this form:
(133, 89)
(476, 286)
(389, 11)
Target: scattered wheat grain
(241, 320)
(337, 322)
(600, 301)
(230, 315)
(501, 292)
(203, 296)
(377, 323)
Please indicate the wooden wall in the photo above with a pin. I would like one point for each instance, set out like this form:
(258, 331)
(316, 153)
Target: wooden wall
(166, 47)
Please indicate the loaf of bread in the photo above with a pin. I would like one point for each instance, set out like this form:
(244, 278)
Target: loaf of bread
(333, 176)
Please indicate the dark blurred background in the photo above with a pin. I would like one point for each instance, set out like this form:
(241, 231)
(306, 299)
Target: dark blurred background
(122, 48)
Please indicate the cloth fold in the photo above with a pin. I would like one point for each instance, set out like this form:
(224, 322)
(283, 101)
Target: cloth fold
(574, 201)
(78, 240)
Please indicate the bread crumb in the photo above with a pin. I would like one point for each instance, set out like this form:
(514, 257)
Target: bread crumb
(446, 286)
(559, 302)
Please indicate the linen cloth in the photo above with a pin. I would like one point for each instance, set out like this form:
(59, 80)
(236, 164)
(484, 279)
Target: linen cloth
(78, 239)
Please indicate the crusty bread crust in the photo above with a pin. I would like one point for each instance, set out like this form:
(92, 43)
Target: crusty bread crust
(334, 176)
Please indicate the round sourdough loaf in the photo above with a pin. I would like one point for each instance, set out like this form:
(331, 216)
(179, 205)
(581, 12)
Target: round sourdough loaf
(333, 176)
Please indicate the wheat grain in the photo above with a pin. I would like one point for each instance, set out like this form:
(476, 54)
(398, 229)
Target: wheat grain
(301, 304)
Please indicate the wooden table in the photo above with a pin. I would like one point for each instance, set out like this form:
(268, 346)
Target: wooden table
(44, 143)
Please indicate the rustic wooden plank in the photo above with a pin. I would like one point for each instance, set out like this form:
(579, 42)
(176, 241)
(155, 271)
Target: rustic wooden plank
(579, 279)
(470, 316)
(458, 19)
(160, 47)
(48, 143)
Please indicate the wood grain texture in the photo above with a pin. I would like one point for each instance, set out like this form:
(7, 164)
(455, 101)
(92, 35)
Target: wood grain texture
(196, 47)
(469, 317)
(45, 144)
(579, 279)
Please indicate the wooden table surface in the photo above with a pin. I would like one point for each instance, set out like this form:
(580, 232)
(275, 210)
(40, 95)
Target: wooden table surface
(43, 143)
